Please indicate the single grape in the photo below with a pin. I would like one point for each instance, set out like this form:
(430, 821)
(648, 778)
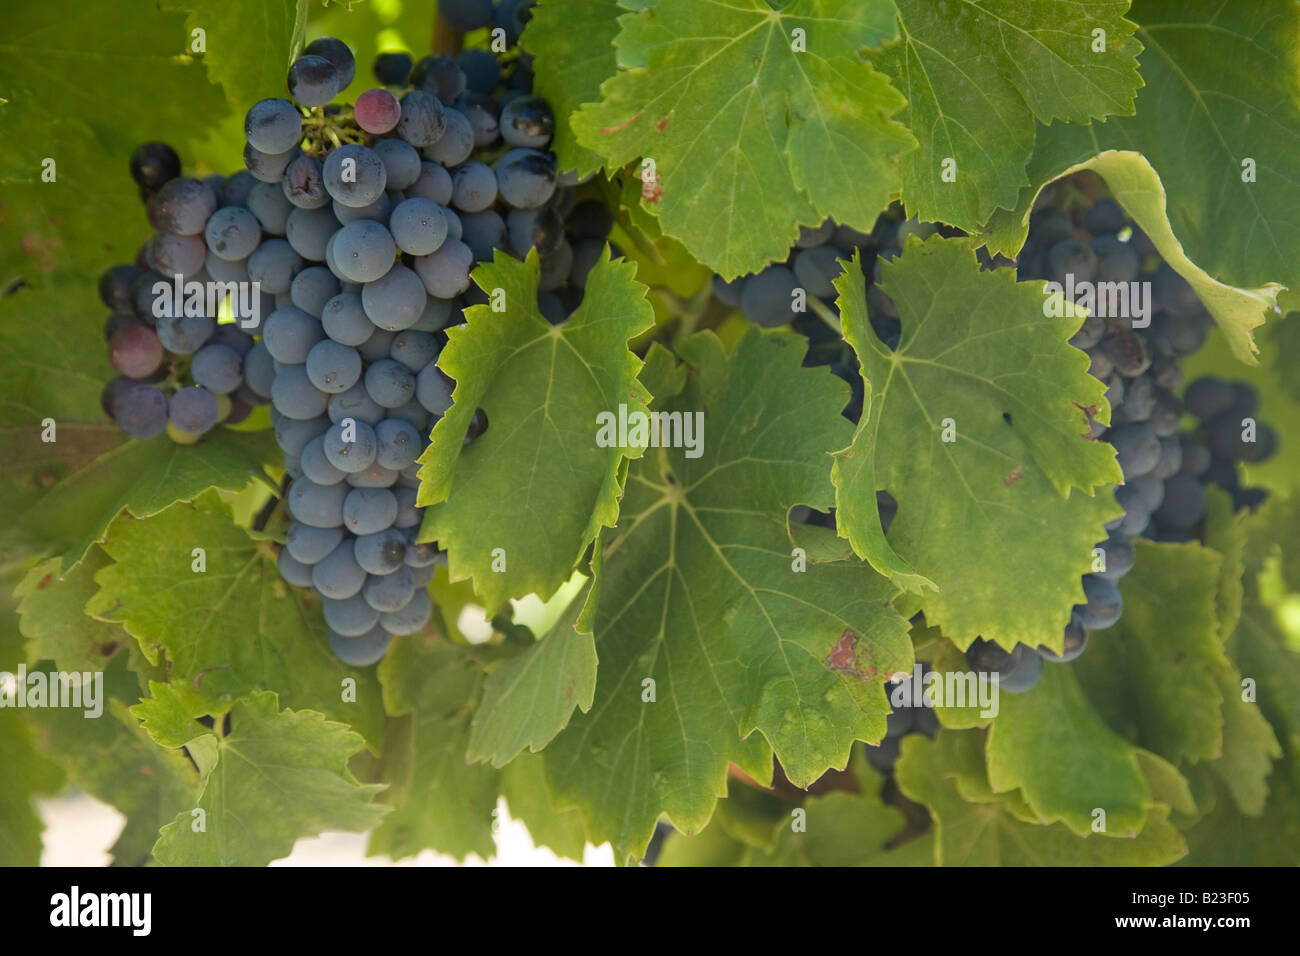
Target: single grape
(418, 226)
(140, 411)
(445, 272)
(135, 350)
(389, 383)
(482, 72)
(308, 232)
(817, 268)
(410, 618)
(355, 175)
(320, 506)
(391, 69)
(1103, 606)
(434, 184)
(310, 545)
(351, 446)
(274, 265)
(289, 335)
(269, 167)
(539, 229)
(232, 233)
(294, 396)
(368, 510)
(1022, 671)
(337, 575)
(382, 552)
(1127, 351)
(1137, 447)
(389, 592)
(361, 651)
(332, 367)
(273, 126)
(432, 390)
(377, 111)
(456, 144)
(423, 119)
(339, 56)
(259, 371)
(293, 570)
(316, 465)
(312, 289)
(350, 617)
(528, 122)
(1120, 555)
(218, 368)
(401, 162)
(185, 334)
(441, 76)
(364, 251)
(1183, 505)
(313, 80)
(399, 444)
(193, 410)
(415, 350)
(768, 298)
(484, 233)
(1076, 642)
(176, 255)
(396, 300)
(153, 165)
(115, 288)
(474, 187)
(408, 515)
(526, 178)
(357, 404)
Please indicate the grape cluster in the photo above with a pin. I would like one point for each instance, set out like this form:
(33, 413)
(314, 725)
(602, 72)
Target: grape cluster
(180, 369)
(361, 225)
(1076, 232)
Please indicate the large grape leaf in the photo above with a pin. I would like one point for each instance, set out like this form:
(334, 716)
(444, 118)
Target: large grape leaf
(751, 136)
(234, 628)
(528, 699)
(115, 760)
(84, 84)
(277, 776)
(1159, 671)
(250, 43)
(993, 506)
(976, 74)
(1139, 189)
(535, 485)
(431, 688)
(143, 478)
(54, 621)
(988, 833)
(523, 784)
(573, 45)
(27, 773)
(700, 595)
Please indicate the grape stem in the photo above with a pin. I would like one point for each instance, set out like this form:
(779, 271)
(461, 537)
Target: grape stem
(824, 313)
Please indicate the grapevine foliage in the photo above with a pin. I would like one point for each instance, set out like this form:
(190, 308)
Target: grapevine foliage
(828, 239)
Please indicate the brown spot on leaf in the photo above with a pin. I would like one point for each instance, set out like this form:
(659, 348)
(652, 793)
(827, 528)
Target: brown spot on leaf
(662, 124)
(623, 125)
(44, 582)
(1014, 475)
(146, 770)
(108, 649)
(841, 656)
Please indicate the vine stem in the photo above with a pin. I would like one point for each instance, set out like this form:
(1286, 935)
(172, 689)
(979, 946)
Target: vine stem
(825, 314)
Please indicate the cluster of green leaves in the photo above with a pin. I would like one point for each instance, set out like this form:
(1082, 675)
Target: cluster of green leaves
(711, 657)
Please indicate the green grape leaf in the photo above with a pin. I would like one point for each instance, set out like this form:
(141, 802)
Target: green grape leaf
(847, 829)
(280, 775)
(28, 773)
(168, 713)
(439, 802)
(89, 215)
(980, 361)
(987, 834)
(703, 609)
(720, 93)
(573, 45)
(535, 489)
(1249, 749)
(1226, 837)
(250, 43)
(54, 621)
(1168, 786)
(523, 784)
(1160, 670)
(1050, 743)
(233, 628)
(143, 478)
(1139, 189)
(112, 758)
(977, 74)
(529, 698)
